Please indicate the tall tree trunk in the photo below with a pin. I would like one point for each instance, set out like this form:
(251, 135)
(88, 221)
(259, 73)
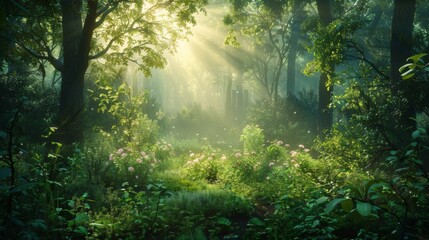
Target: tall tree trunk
(228, 96)
(240, 96)
(294, 37)
(325, 91)
(76, 46)
(400, 49)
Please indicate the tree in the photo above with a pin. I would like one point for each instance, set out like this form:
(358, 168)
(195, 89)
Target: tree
(293, 49)
(401, 47)
(265, 29)
(326, 87)
(112, 31)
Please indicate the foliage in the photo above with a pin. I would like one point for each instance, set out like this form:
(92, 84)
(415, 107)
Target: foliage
(394, 199)
(132, 126)
(292, 120)
(253, 139)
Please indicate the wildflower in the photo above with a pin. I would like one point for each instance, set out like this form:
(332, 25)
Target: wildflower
(120, 151)
(192, 155)
(271, 164)
(111, 157)
(131, 169)
(287, 145)
(21, 153)
(210, 158)
(253, 153)
(213, 155)
(301, 146)
(306, 150)
(124, 155)
(280, 143)
(139, 160)
(293, 153)
(143, 154)
(238, 155)
(223, 157)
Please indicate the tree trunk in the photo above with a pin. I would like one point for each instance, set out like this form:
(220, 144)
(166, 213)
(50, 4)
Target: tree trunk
(400, 49)
(292, 52)
(325, 92)
(76, 46)
(228, 97)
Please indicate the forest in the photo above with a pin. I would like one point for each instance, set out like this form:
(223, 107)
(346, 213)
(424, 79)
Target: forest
(214, 119)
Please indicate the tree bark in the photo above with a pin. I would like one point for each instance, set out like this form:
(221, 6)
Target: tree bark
(401, 46)
(325, 120)
(76, 47)
(294, 37)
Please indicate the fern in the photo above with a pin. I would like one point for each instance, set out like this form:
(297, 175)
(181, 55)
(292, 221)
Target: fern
(224, 221)
(196, 234)
(254, 221)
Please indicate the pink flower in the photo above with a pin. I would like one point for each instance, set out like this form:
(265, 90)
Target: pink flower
(139, 160)
(293, 153)
(301, 146)
(131, 169)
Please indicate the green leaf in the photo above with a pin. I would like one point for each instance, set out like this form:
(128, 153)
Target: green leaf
(71, 203)
(408, 74)
(333, 204)
(315, 223)
(401, 69)
(82, 230)
(322, 200)
(81, 218)
(416, 57)
(347, 205)
(364, 208)
(416, 134)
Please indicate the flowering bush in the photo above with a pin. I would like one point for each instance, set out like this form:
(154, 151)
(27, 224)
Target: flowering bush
(162, 150)
(133, 166)
(205, 166)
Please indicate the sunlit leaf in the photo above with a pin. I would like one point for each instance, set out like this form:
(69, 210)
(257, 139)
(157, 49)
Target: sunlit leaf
(416, 57)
